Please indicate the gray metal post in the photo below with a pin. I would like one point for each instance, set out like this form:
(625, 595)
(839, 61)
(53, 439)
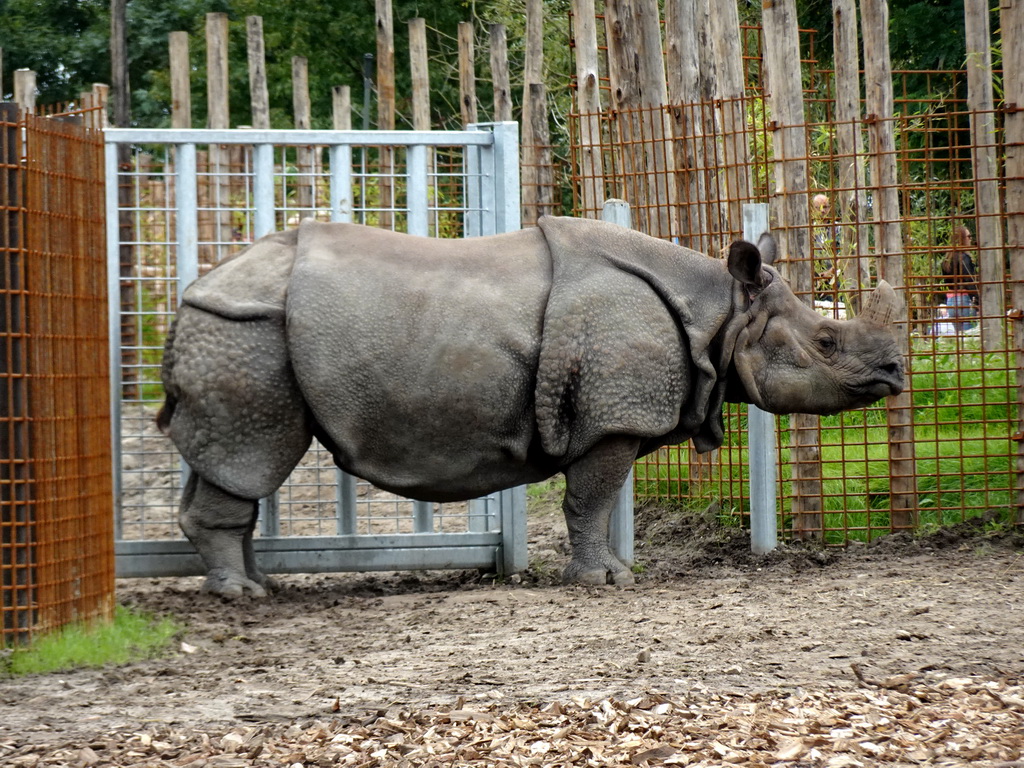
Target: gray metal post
(340, 156)
(114, 323)
(341, 182)
(507, 191)
(263, 189)
(620, 527)
(416, 192)
(761, 432)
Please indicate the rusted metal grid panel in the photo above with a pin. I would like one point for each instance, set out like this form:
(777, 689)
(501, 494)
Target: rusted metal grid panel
(68, 397)
(962, 395)
(17, 583)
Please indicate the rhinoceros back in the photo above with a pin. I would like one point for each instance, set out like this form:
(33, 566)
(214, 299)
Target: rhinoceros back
(418, 356)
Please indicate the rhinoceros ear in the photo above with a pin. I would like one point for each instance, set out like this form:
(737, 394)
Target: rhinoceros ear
(745, 263)
(768, 247)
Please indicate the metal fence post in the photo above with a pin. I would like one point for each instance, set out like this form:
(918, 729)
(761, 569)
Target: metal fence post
(620, 527)
(761, 432)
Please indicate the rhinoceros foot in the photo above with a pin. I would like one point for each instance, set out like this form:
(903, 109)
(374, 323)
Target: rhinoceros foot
(225, 583)
(608, 571)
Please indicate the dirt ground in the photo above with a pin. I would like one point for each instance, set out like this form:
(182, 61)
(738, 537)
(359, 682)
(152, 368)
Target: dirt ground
(904, 652)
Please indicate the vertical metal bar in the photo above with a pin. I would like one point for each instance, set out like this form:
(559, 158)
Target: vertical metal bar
(620, 526)
(114, 324)
(346, 504)
(422, 517)
(485, 187)
(473, 221)
(340, 156)
(187, 229)
(507, 189)
(263, 189)
(264, 222)
(416, 192)
(761, 439)
(513, 557)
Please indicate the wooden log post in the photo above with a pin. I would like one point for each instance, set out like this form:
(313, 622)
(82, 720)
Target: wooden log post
(501, 86)
(636, 70)
(419, 68)
(540, 195)
(985, 160)
(341, 108)
(790, 200)
(733, 181)
(467, 74)
(218, 112)
(386, 107)
(181, 82)
(256, 55)
(889, 247)
(536, 154)
(590, 159)
(854, 232)
(1011, 22)
(305, 182)
(25, 89)
(682, 64)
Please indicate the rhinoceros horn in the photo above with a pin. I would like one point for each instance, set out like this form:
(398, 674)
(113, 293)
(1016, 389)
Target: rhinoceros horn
(880, 305)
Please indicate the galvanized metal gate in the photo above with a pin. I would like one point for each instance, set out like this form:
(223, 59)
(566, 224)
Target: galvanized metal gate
(180, 200)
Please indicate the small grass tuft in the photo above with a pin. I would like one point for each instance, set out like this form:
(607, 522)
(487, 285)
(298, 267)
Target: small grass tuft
(132, 635)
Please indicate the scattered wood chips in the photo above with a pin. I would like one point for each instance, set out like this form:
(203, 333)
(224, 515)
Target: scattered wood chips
(898, 721)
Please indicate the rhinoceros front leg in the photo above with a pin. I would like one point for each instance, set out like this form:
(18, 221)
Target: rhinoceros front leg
(220, 526)
(591, 486)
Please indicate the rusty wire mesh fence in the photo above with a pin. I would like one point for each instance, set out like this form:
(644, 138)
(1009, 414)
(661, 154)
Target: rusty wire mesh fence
(56, 538)
(949, 452)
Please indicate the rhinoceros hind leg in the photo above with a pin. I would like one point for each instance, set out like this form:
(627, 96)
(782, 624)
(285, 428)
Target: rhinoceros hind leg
(591, 486)
(220, 526)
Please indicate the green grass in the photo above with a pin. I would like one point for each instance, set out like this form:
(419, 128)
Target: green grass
(964, 409)
(130, 636)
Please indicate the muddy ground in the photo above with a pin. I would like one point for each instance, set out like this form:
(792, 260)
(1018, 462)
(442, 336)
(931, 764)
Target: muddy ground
(721, 650)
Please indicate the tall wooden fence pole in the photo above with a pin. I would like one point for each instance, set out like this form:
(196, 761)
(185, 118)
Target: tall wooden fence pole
(419, 68)
(501, 86)
(782, 48)
(682, 65)
(984, 151)
(536, 154)
(590, 160)
(853, 205)
(386, 106)
(889, 244)
(733, 181)
(256, 54)
(637, 74)
(219, 115)
(467, 74)
(305, 185)
(1011, 18)
(181, 87)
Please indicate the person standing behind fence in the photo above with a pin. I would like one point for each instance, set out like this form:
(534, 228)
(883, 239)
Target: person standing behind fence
(961, 278)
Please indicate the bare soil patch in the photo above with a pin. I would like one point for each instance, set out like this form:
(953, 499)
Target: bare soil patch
(906, 652)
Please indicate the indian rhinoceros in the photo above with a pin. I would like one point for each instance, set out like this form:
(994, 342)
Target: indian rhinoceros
(447, 369)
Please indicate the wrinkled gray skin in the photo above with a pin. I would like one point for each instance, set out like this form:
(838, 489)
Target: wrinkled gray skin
(448, 369)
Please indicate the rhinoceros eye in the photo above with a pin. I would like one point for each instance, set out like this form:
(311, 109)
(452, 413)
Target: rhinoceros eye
(826, 343)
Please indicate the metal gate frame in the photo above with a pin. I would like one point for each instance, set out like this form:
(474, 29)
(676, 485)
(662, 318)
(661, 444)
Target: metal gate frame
(497, 539)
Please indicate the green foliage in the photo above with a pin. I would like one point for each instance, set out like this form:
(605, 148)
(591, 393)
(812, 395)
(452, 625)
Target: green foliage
(132, 635)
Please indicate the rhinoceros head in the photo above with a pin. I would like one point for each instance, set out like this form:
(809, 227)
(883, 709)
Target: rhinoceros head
(787, 358)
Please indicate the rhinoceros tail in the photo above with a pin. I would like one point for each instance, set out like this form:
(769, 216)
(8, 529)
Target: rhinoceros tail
(163, 418)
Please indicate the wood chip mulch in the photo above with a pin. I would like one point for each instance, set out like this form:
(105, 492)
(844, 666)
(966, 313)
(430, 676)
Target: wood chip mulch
(901, 721)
